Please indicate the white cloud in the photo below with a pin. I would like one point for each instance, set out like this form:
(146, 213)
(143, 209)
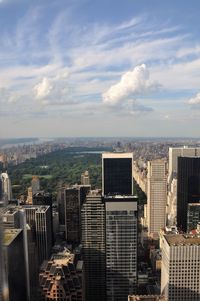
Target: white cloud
(132, 83)
(43, 89)
(195, 100)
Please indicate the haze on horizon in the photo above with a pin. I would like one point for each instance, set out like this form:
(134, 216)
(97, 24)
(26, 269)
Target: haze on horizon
(99, 68)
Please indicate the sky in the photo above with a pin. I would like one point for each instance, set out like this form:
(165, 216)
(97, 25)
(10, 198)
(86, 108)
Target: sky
(99, 68)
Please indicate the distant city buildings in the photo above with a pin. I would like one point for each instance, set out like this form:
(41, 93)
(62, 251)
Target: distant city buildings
(156, 196)
(180, 272)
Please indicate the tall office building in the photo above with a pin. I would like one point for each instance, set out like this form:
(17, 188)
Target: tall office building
(62, 278)
(156, 196)
(121, 246)
(6, 189)
(193, 216)
(174, 153)
(14, 218)
(15, 264)
(35, 184)
(180, 272)
(117, 176)
(74, 198)
(188, 188)
(39, 220)
(85, 178)
(93, 246)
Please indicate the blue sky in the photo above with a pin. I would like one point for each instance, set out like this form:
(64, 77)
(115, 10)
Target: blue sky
(99, 68)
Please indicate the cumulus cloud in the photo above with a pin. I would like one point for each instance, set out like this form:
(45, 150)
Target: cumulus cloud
(132, 83)
(43, 89)
(195, 100)
(52, 90)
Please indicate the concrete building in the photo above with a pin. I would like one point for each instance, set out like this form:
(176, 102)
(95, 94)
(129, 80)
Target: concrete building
(6, 189)
(172, 204)
(93, 246)
(117, 174)
(35, 184)
(62, 278)
(188, 188)
(156, 196)
(121, 246)
(85, 178)
(180, 272)
(146, 298)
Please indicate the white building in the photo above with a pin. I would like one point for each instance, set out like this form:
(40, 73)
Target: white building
(156, 196)
(180, 268)
(6, 187)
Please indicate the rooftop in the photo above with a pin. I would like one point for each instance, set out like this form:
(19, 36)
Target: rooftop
(10, 235)
(182, 239)
(146, 298)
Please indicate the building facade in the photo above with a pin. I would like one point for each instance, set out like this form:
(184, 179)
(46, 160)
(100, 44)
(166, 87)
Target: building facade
(156, 196)
(117, 175)
(188, 188)
(121, 247)
(93, 246)
(180, 272)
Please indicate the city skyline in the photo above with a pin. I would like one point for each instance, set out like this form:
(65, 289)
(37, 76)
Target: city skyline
(82, 68)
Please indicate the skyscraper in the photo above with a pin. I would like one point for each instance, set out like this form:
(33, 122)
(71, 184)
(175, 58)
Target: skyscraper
(156, 196)
(188, 188)
(6, 189)
(15, 264)
(74, 198)
(117, 177)
(174, 153)
(93, 244)
(39, 220)
(121, 246)
(180, 272)
(85, 178)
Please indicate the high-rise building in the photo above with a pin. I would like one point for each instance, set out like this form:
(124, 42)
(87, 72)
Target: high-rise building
(156, 196)
(93, 246)
(14, 217)
(180, 272)
(85, 178)
(74, 198)
(117, 175)
(121, 246)
(35, 184)
(6, 187)
(15, 264)
(193, 216)
(174, 153)
(62, 278)
(40, 222)
(188, 188)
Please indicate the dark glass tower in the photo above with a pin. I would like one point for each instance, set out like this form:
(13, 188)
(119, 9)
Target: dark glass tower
(93, 243)
(188, 188)
(117, 174)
